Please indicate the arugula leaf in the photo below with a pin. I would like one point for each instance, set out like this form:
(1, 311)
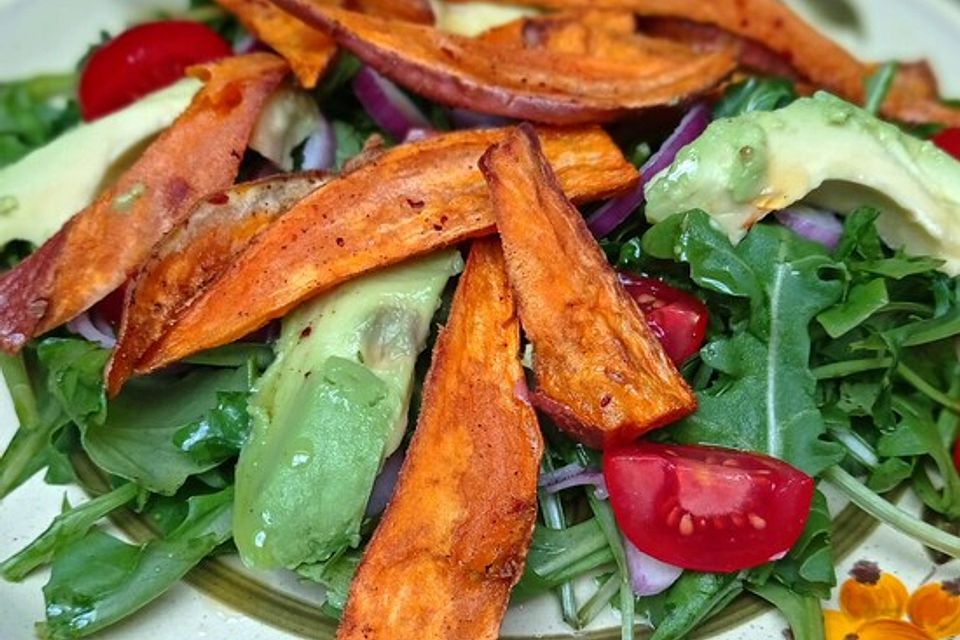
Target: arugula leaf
(559, 555)
(33, 112)
(136, 439)
(219, 434)
(335, 574)
(862, 301)
(755, 94)
(764, 399)
(235, 354)
(808, 568)
(878, 86)
(350, 141)
(99, 579)
(40, 420)
(15, 251)
(14, 372)
(134, 436)
(803, 613)
(860, 237)
(69, 526)
(917, 418)
(689, 602)
(74, 372)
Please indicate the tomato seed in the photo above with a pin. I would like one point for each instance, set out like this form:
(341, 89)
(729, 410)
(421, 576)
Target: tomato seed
(757, 522)
(686, 525)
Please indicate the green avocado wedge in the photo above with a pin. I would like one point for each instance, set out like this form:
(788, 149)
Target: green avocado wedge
(329, 410)
(40, 192)
(827, 152)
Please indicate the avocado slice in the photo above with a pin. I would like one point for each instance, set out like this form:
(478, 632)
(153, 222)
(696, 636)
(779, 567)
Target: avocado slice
(40, 192)
(329, 410)
(827, 152)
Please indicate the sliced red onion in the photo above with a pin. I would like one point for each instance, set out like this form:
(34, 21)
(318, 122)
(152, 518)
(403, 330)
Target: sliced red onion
(648, 576)
(84, 327)
(385, 484)
(467, 119)
(247, 43)
(612, 214)
(244, 44)
(389, 107)
(574, 475)
(813, 224)
(320, 150)
(415, 135)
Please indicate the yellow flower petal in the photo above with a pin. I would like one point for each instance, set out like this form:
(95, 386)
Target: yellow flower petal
(837, 625)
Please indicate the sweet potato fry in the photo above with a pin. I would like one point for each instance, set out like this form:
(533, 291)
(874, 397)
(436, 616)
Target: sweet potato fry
(774, 25)
(601, 374)
(454, 539)
(533, 84)
(409, 10)
(101, 245)
(609, 35)
(410, 200)
(194, 255)
(568, 31)
(307, 50)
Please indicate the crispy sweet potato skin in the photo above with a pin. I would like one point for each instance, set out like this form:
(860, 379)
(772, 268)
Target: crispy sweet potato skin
(533, 84)
(103, 244)
(308, 51)
(601, 34)
(601, 374)
(194, 255)
(410, 10)
(774, 25)
(454, 538)
(410, 200)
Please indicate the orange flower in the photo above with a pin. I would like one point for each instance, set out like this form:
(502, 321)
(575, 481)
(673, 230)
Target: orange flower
(838, 626)
(872, 594)
(872, 604)
(935, 608)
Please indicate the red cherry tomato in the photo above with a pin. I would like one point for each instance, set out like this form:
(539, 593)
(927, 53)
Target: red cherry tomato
(949, 141)
(143, 59)
(706, 508)
(677, 318)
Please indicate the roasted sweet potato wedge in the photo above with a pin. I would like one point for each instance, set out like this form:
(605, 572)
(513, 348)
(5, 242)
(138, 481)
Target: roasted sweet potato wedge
(532, 84)
(410, 200)
(307, 50)
(454, 538)
(103, 244)
(601, 374)
(409, 10)
(774, 25)
(599, 34)
(194, 255)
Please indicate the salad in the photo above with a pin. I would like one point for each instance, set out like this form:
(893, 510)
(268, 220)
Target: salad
(448, 306)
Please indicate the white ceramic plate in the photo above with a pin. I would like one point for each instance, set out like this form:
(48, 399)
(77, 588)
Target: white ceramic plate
(50, 35)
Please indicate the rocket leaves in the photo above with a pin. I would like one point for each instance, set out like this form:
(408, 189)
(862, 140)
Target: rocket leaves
(764, 396)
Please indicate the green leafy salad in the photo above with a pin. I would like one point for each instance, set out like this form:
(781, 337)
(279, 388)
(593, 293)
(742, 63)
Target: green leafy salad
(820, 342)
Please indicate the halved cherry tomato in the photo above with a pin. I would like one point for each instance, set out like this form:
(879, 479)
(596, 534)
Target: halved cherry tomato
(949, 141)
(677, 318)
(706, 508)
(143, 59)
